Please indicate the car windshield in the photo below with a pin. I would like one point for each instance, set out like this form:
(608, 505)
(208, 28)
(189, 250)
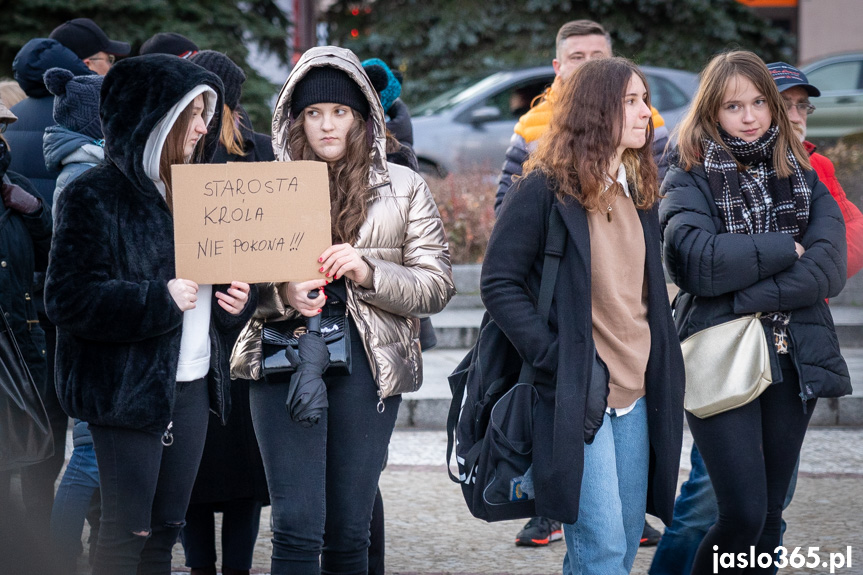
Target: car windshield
(455, 96)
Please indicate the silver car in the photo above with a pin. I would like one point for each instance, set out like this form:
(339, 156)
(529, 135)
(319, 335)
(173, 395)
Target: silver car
(468, 129)
(840, 107)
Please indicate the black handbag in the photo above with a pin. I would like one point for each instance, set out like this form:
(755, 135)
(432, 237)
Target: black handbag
(25, 431)
(279, 343)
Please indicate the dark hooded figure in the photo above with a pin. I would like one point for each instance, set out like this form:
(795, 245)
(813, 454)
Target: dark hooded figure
(141, 354)
(35, 113)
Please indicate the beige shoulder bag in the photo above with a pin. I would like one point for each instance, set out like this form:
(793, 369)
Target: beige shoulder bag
(727, 366)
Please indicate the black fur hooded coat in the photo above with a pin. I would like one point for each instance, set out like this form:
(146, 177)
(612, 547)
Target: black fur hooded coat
(118, 329)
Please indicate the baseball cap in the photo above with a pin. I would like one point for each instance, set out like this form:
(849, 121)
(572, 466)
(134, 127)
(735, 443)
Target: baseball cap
(169, 43)
(85, 38)
(787, 76)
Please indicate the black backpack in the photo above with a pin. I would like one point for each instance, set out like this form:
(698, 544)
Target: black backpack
(490, 421)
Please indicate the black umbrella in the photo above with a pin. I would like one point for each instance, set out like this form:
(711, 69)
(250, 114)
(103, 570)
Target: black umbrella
(307, 392)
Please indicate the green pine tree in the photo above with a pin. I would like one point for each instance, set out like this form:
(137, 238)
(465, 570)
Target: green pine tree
(221, 25)
(438, 44)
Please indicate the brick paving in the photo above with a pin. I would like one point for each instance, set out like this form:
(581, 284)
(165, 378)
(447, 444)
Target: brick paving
(430, 532)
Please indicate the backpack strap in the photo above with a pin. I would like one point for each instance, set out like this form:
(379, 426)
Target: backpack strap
(555, 244)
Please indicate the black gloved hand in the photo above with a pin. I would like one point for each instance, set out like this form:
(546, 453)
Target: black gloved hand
(18, 199)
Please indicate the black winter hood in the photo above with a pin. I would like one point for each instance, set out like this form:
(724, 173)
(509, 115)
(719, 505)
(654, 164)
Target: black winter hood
(136, 95)
(37, 57)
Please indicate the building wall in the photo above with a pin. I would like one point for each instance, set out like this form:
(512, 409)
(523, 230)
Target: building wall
(828, 27)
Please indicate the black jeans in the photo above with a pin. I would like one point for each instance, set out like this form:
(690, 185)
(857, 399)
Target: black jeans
(750, 454)
(323, 478)
(37, 481)
(241, 519)
(146, 486)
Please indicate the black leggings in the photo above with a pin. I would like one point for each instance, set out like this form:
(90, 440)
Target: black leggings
(750, 453)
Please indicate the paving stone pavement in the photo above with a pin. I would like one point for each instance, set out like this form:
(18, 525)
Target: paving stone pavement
(430, 532)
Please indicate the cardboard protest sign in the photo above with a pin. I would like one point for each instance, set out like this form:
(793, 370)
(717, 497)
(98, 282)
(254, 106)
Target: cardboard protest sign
(250, 221)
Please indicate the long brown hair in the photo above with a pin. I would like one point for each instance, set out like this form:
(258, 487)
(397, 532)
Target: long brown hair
(702, 119)
(231, 136)
(349, 177)
(585, 131)
(173, 150)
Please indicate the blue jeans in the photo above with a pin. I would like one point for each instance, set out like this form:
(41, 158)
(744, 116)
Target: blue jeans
(695, 511)
(146, 486)
(613, 497)
(71, 503)
(323, 479)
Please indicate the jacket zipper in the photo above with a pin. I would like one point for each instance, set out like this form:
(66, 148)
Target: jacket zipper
(805, 390)
(380, 406)
(168, 437)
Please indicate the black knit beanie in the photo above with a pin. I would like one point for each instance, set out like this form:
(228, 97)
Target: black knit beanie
(232, 75)
(330, 85)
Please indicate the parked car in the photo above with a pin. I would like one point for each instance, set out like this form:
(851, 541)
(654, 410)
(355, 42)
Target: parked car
(840, 107)
(469, 128)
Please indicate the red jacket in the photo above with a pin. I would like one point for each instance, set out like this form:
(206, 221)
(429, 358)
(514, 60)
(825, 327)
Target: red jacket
(853, 218)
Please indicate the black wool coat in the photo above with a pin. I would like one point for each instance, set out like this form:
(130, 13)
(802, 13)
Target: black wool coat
(118, 336)
(723, 276)
(563, 350)
(24, 243)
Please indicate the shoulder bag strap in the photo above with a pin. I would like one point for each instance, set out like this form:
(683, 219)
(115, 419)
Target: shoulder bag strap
(555, 244)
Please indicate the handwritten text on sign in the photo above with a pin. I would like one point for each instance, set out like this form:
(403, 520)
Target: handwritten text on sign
(250, 221)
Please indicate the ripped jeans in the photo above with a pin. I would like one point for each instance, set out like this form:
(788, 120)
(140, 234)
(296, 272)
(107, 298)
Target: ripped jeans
(146, 487)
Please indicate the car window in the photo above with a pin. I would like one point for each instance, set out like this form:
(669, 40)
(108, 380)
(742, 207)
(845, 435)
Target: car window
(664, 95)
(840, 76)
(515, 100)
(455, 96)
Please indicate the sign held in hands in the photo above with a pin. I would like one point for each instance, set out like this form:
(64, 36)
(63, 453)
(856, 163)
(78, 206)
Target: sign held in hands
(250, 221)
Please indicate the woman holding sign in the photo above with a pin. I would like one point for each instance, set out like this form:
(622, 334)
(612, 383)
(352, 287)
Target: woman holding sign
(141, 354)
(389, 264)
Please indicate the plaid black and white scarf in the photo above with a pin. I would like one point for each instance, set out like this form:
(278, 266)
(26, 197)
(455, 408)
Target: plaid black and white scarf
(755, 200)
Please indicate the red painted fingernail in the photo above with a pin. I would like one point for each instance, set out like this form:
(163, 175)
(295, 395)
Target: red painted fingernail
(320, 310)
(321, 270)
(320, 259)
(326, 297)
(328, 275)
(335, 277)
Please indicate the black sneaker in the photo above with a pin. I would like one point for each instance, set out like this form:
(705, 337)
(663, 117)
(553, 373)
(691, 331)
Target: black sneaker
(539, 532)
(650, 536)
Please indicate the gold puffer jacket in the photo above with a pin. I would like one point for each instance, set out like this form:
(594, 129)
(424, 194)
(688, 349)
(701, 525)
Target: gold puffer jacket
(402, 239)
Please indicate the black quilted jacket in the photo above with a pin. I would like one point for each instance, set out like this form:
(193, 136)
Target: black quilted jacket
(723, 275)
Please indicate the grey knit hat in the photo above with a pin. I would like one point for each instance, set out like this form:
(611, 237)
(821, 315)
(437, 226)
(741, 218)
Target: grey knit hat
(76, 101)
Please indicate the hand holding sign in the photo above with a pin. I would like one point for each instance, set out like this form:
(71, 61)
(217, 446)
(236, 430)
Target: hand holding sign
(184, 292)
(343, 260)
(235, 300)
